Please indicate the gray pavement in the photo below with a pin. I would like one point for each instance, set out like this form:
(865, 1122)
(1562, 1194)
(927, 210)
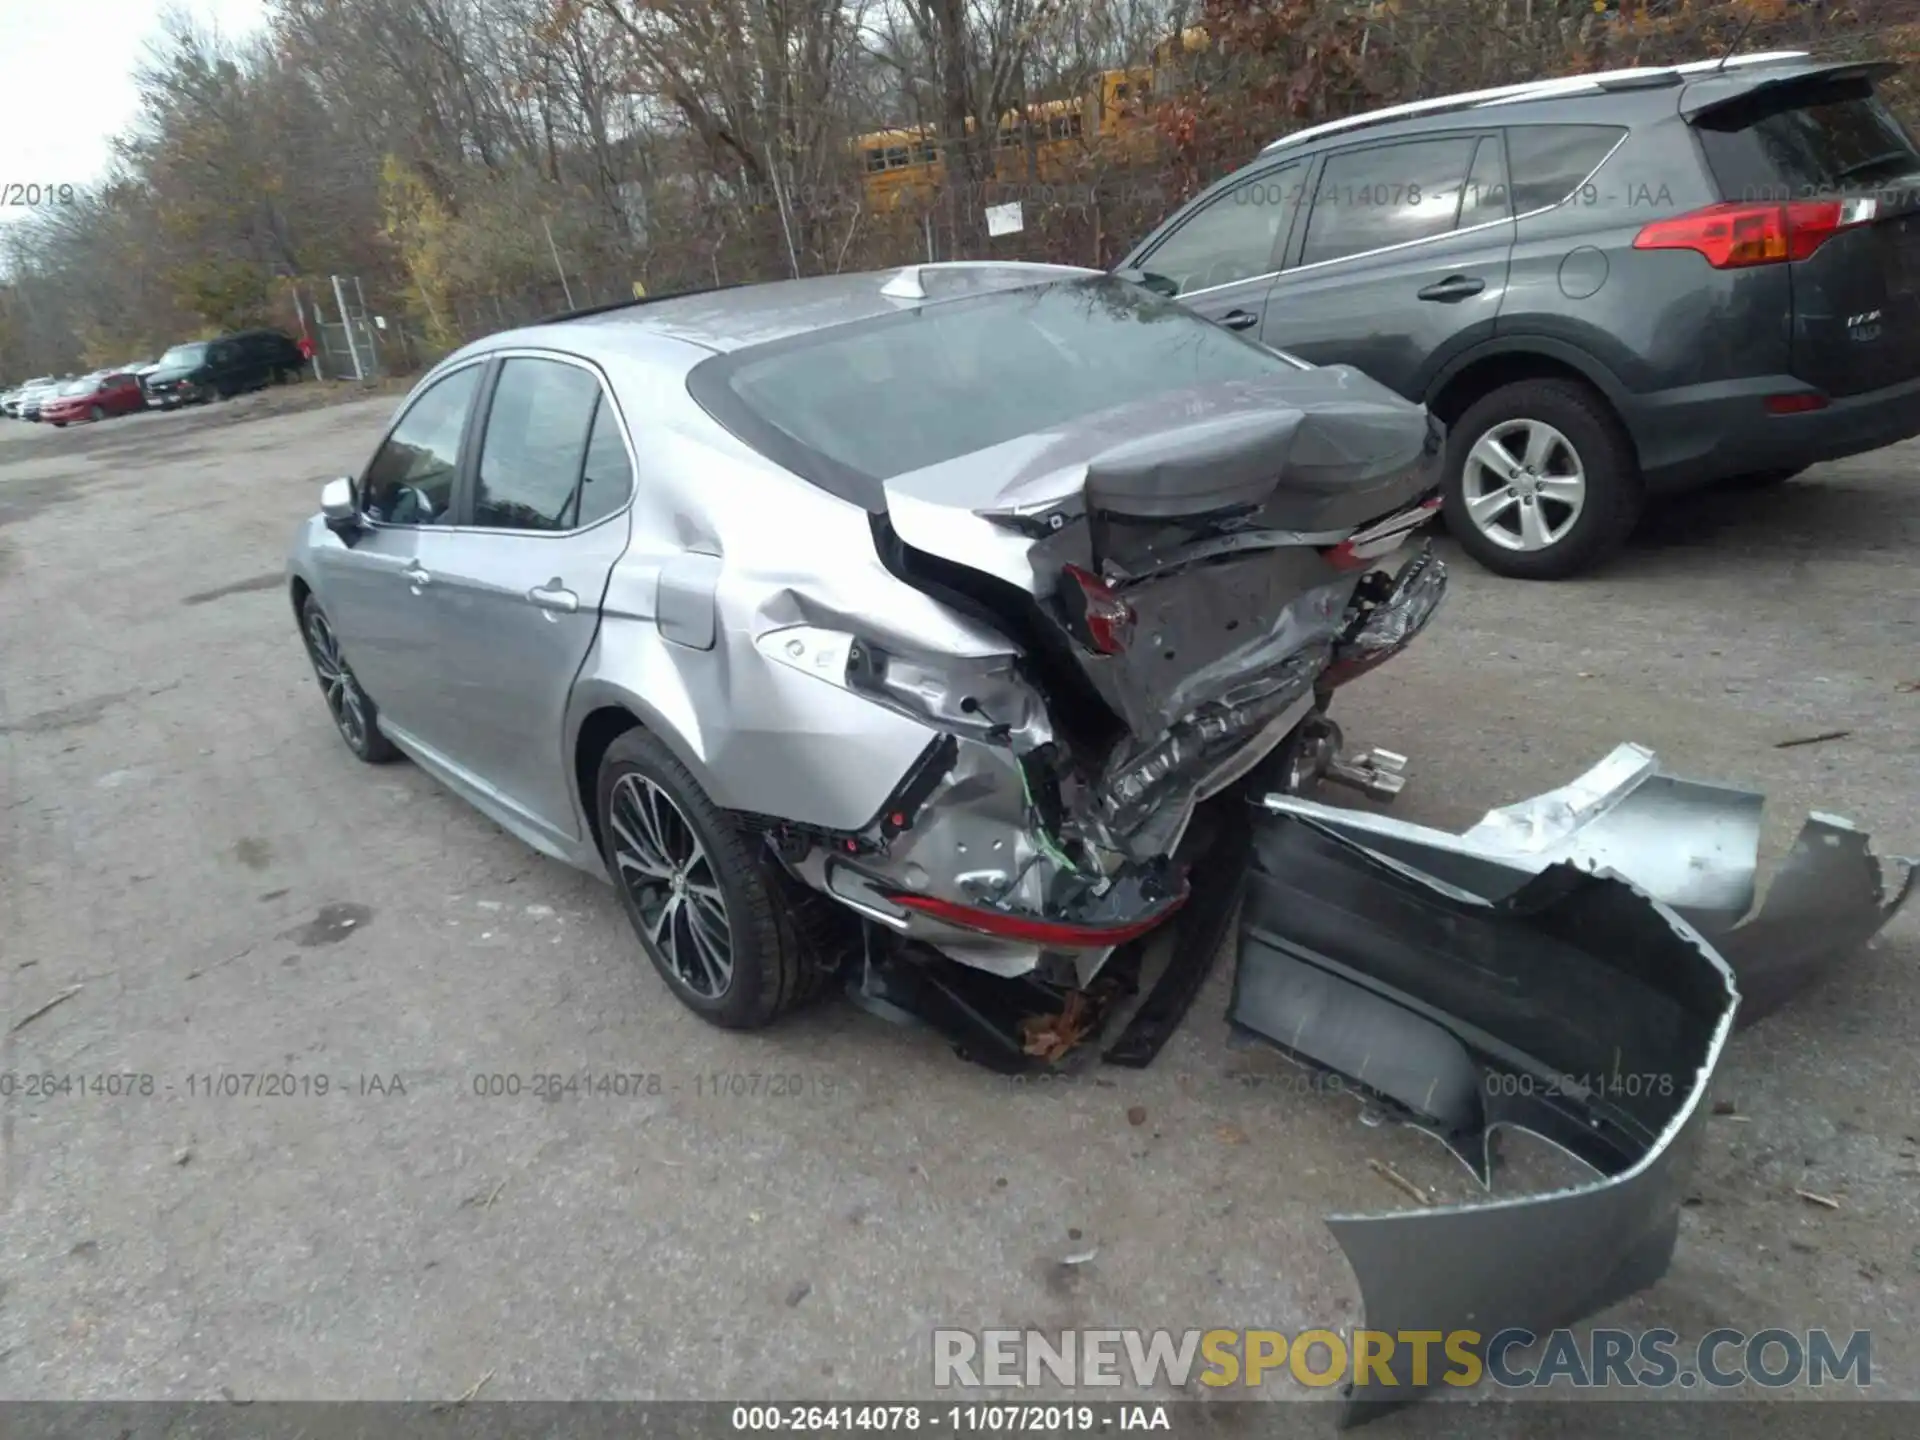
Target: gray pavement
(191, 852)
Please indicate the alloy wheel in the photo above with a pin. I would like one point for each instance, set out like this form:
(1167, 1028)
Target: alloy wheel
(1524, 485)
(674, 887)
(344, 701)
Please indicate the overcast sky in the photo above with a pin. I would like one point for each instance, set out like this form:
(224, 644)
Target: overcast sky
(66, 81)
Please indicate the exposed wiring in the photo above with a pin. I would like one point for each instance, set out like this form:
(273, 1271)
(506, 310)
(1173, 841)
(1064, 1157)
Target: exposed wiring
(1045, 841)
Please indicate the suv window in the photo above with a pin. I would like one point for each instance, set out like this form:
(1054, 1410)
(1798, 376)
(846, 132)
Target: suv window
(1797, 141)
(608, 477)
(1487, 196)
(1386, 195)
(1550, 162)
(410, 481)
(535, 445)
(1233, 237)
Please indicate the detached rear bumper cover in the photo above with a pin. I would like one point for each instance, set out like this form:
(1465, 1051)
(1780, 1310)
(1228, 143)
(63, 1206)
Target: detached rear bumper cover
(1574, 1008)
(1690, 845)
(1571, 966)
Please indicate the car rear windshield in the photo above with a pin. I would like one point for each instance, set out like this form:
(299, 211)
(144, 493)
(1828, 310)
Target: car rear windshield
(185, 354)
(877, 398)
(1804, 140)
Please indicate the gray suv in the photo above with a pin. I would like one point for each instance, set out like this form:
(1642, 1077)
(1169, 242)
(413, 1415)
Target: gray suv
(1609, 286)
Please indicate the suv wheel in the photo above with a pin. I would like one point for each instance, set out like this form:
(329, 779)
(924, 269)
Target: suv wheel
(1541, 481)
(704, 896)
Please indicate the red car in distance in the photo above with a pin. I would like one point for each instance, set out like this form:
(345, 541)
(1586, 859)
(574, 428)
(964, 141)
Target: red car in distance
(94, 397)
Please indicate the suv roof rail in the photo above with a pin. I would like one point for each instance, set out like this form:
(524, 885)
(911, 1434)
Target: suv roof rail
(1597, 82)
(907, 284)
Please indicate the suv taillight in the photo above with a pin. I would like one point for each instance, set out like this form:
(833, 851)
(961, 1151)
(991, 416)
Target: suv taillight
(1734, 236)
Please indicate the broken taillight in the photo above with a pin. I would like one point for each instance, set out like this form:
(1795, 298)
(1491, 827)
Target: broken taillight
(1735, 236)
(1100, 618)
(1362, 549)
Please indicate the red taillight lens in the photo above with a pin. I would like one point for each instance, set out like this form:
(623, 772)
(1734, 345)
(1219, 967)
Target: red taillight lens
(1103, 620)
(1798, 403)
(1031, 929)
(1735, 236)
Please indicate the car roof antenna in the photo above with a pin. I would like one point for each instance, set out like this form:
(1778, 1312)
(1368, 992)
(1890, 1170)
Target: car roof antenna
(1745, 25)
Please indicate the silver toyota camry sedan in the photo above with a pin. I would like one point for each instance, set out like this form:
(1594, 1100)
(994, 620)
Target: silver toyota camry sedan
(921, 607)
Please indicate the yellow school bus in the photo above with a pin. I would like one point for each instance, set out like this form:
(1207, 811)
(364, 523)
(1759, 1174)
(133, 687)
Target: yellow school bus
(1045, 141)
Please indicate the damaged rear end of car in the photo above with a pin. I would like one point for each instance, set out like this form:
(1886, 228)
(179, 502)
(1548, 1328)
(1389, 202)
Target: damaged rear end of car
(1176, 533)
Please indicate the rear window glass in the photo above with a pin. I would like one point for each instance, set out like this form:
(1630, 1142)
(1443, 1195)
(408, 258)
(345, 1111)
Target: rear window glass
(1550, 162)
(1794, 141)
(878, 398)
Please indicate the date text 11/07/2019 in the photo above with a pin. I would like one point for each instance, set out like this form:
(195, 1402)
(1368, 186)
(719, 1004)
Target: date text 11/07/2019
(16, 194)
(959, 1419)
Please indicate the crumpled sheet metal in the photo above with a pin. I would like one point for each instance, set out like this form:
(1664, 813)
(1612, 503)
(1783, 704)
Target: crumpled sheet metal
(1691, 845)
(1575, 1008)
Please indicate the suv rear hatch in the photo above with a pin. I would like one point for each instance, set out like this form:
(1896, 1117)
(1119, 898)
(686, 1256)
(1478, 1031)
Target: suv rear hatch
(1823, 176)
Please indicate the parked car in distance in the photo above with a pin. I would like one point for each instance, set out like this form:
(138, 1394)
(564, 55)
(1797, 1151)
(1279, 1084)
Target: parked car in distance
(1608, 286)
(204, 370)
(34, 396)
(94, 397)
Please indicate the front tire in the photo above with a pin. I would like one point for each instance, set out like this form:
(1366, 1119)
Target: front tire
(704, 897)
(354, 714)
(97, 414)
(1542, 482)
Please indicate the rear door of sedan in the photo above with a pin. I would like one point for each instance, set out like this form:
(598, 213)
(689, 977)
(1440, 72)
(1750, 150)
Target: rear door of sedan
(516, 589)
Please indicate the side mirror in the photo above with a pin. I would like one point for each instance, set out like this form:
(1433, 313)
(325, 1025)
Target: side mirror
(1146, 279)
(339, 506)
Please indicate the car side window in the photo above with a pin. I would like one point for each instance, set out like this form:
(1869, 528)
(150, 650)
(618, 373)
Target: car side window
(410, 481)
(535, 446)
(1233, 237)
(1383, 195)
(1550, 162)
(1486, 198)
(607, 480)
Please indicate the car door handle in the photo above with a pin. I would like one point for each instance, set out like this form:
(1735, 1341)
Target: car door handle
(1239, 320)
(417, 576)
(554, 596)
(1454, 287)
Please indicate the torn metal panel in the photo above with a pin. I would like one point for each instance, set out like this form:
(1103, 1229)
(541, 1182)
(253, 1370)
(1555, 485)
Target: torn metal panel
(1575, 1008)
(1391, 614)
(1691, 845)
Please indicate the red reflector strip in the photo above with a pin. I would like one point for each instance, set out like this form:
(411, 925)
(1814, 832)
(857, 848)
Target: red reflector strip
(1030, 929)
(1795, 404)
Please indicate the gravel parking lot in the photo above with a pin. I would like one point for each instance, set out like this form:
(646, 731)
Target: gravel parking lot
(194, 860)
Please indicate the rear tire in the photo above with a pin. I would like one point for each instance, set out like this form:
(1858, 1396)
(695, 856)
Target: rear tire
(1542, 481)
(706, 899)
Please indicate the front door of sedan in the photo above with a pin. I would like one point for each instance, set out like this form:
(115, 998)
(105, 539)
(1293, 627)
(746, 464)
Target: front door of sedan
(1223, 253)
(515, 592)
(373, 590)
(1403, 259)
